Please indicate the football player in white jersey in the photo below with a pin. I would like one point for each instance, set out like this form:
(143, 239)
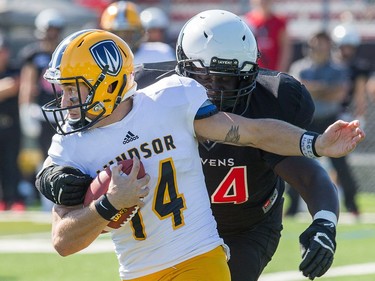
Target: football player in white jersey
(102, 119)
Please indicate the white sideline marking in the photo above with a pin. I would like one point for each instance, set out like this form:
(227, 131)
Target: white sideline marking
(43, 246)
(353, 270)
(42, 243)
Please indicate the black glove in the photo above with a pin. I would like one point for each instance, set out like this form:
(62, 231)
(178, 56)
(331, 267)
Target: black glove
(63, 185)
(318, 247)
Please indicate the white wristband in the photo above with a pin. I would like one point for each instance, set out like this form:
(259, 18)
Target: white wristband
(327, 215)
(307, 144)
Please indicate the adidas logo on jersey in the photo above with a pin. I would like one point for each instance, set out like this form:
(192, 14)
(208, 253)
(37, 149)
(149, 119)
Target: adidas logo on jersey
(129, 137)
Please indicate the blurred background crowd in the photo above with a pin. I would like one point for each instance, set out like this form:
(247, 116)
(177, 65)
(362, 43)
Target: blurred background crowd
(327, 44)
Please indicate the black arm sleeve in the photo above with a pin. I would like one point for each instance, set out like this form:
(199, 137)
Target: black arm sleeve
(311, 181)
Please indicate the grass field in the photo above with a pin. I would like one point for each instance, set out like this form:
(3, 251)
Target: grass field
(356, 245)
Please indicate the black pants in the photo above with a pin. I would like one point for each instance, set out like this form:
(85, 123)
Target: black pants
(251, 250)
(9, 171)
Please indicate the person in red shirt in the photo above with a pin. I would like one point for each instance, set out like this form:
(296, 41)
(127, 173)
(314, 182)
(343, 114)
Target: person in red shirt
(271, 33)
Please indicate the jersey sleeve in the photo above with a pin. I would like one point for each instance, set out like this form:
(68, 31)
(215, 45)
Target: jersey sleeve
(62, 151)
(296, 102)
(196, 95)
(207, 109)
(199, 105)
(183, 97)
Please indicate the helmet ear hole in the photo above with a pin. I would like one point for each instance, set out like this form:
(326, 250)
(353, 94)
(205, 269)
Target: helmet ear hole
(112, 87)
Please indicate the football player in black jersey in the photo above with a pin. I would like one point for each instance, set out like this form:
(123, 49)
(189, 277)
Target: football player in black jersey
(245, 184)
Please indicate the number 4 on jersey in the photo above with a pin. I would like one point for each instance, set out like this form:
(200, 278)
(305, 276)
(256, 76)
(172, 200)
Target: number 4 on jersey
(233, 188)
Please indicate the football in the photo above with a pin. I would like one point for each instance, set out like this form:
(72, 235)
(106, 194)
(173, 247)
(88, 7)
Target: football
(99, 186)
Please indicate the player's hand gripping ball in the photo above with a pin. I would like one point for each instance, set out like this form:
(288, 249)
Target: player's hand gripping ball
(99, 186)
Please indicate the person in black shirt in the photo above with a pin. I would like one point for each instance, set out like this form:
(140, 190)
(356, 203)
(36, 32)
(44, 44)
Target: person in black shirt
(10, 134)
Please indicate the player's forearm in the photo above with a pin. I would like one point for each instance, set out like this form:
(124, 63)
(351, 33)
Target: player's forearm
(74, 229)
(280, 137)
(312, 182)
(267, 134)
(272, 135)
(323, 197)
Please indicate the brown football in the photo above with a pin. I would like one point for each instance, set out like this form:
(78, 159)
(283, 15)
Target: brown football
(99, 186)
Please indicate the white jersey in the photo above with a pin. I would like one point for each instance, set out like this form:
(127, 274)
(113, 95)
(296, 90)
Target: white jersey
(150, 52)
(176, 222)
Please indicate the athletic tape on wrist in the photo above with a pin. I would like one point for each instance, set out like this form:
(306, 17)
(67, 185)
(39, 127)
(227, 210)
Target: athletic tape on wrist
(327, 215)
(307, 144)
(105, 208)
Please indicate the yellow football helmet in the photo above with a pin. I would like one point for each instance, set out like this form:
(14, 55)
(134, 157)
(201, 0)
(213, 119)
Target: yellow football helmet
(102, 61)
(123, 19)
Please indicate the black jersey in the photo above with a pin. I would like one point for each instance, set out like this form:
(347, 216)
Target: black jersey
(9, 117)
(241, 180)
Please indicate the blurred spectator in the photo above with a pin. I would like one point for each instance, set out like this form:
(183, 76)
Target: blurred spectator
(327, 82)
(34, 91)
(347, 41)
(10, 134)
(123, 19)
(156, 24)
(271, 33)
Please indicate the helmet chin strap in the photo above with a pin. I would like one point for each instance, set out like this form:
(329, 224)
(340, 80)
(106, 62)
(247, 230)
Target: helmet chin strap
(76, 124)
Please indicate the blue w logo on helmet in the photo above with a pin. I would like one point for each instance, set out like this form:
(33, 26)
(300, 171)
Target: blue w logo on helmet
(107, 53)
